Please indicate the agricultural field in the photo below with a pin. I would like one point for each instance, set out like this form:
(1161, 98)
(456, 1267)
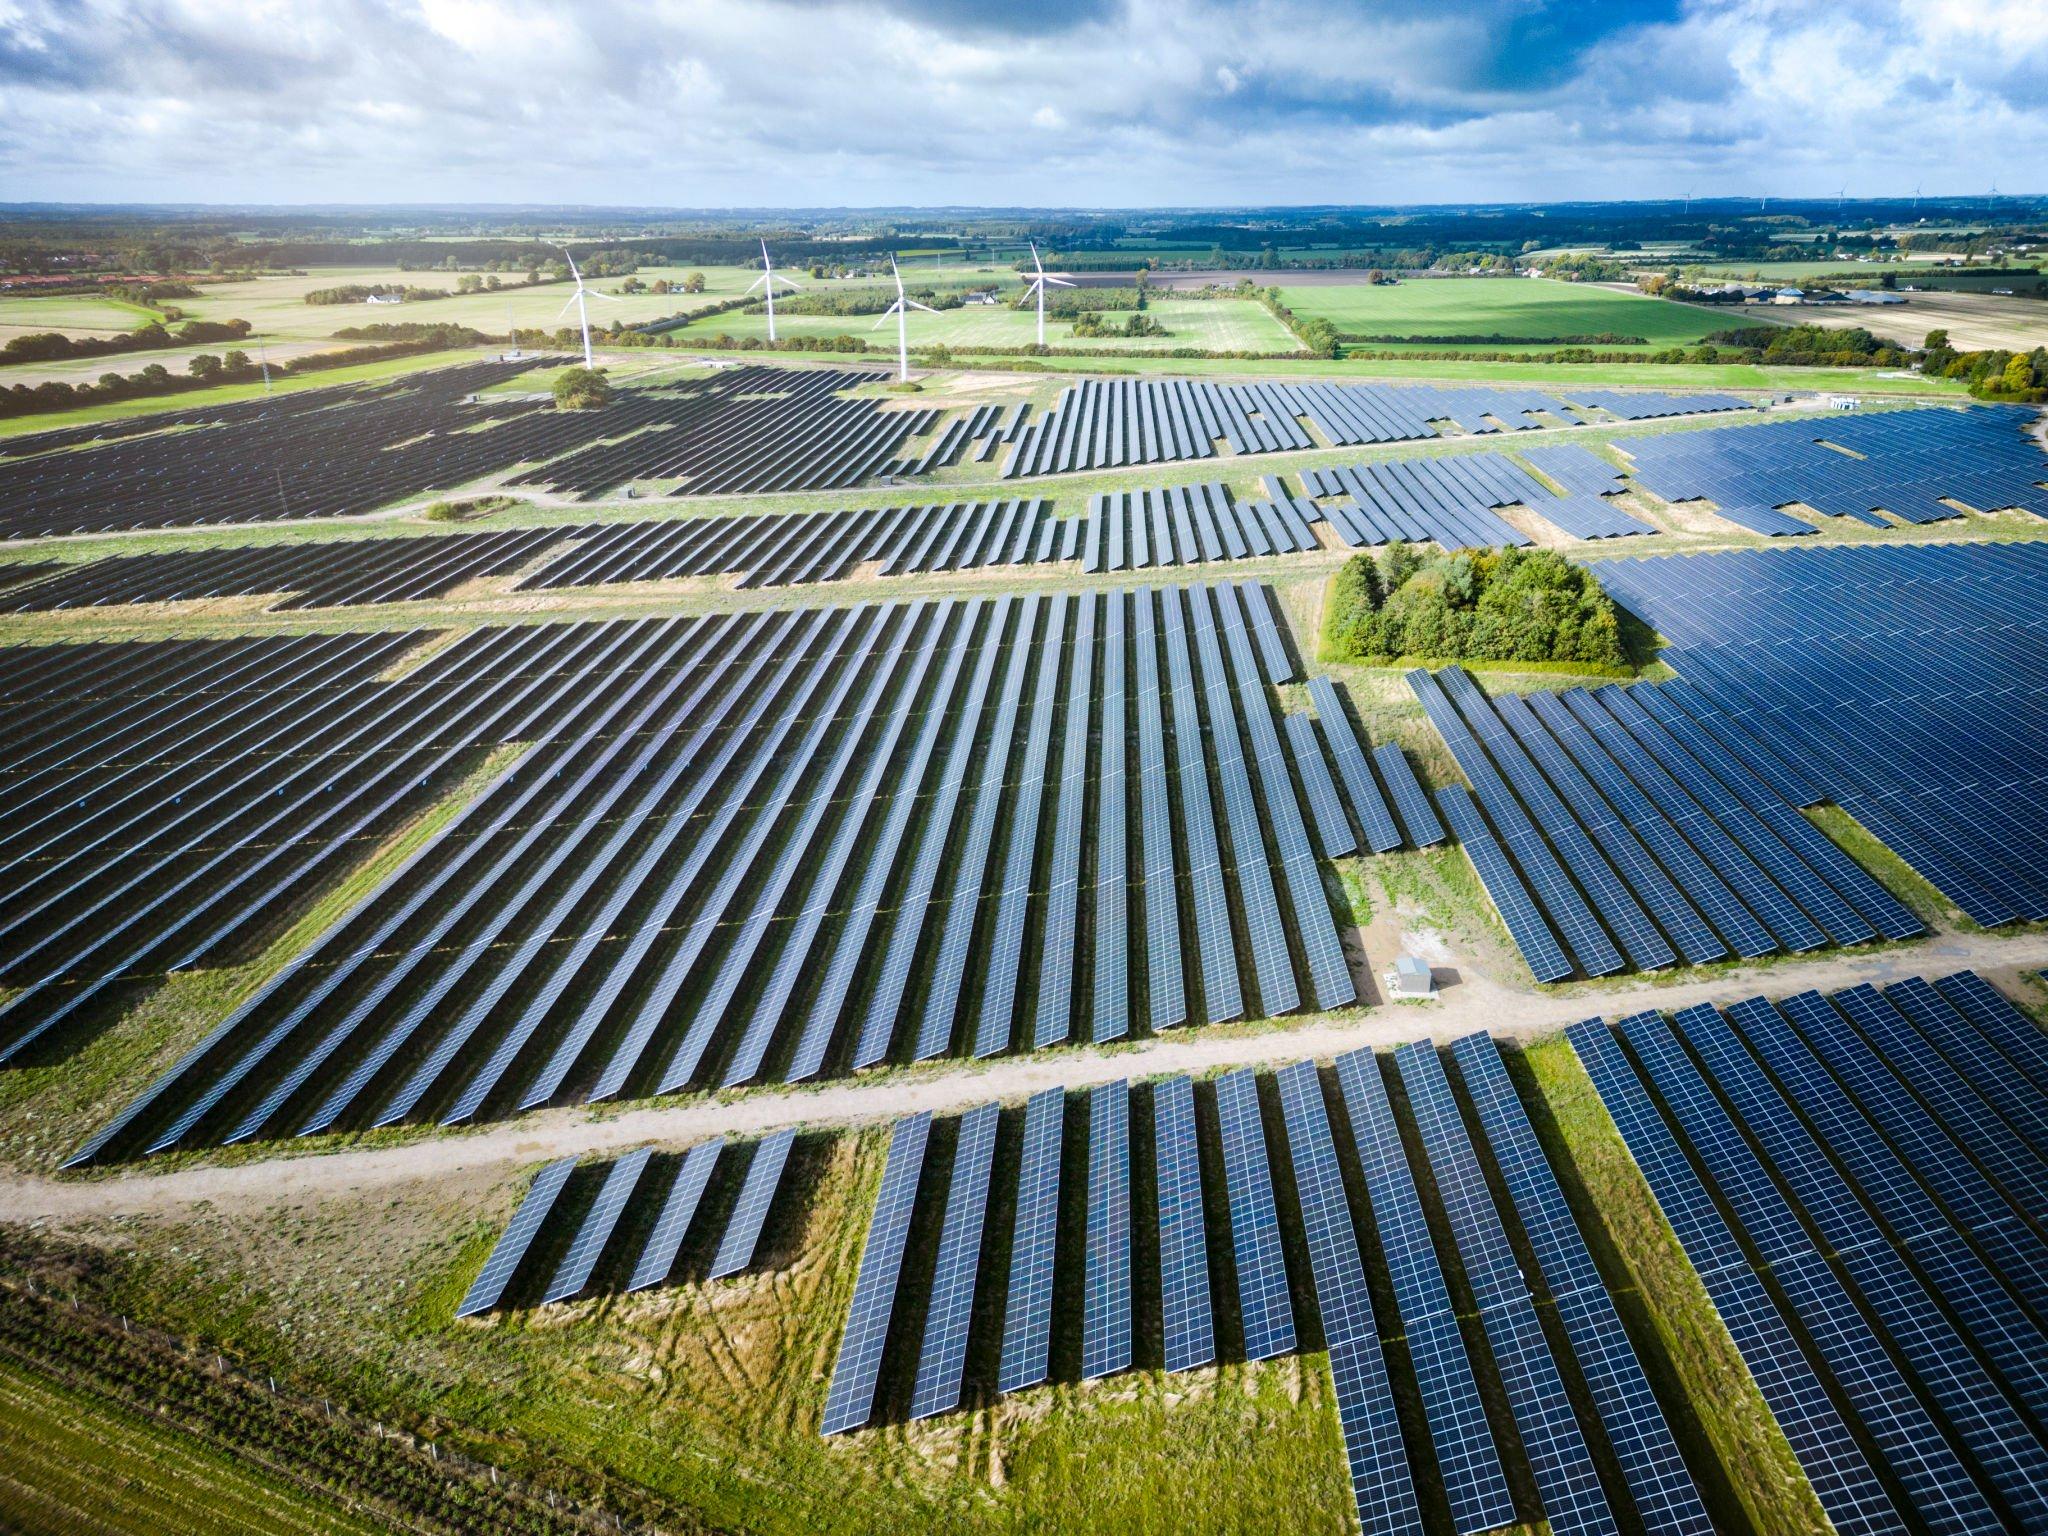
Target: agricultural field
(1214, 325)
(74, 314)
(1534, 308)
(1974, 321)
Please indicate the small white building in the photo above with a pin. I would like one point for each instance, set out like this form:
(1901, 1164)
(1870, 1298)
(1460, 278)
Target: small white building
(1840, 402)
(1411, 977)
(384, 298)
(1875, 296)
(1789, 296)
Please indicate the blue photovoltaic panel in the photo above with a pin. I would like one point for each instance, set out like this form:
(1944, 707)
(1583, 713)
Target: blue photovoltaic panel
(1183, 1236)
(1112, 1004)
(1842, 1478)
(851, 1397)
(1367, 803)
(1982, 1065)
(2016, 1348)
(2000, 1022)
(1558, 1458)
(1166, 989)
(1474, 1483)
(1027, 1319)
(1658, 1483)
(750, 1212)
(573, 1273)
(1262, 1297)
(950, 1311)
(1913, 1446)
(1974, 1202)
(1416, 815)
(1334, 836)
(526, 1222)
(1380, 1479)
(672, 1226)
(1258, 607)
(1106, 1283)
(1063, 890)
(1525, 922)
(1222, 993)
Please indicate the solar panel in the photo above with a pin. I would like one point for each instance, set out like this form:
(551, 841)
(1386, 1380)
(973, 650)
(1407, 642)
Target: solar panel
(1416, 815)
(1222, 993)
(1112, 1010)
(750, 1211)
(2016, 1348)
(950, 1311)
(1518, 910)
(518, 1236)
(1167, 995)
(1380, 1479)
(672, 1225)
(1940, 1486)
(1334, 836)
(1828, 1452)
(1183, 1237)
(851, 1397)
(1027, 1318)
(1106, 1283)
(1474, 1483)
(1055, 1006)
(1980, 1063)
(1558, 1458)
(1663, 1492)
(1264, 1305)
(573, 1273)
(1367, 803)
(2000, 1022)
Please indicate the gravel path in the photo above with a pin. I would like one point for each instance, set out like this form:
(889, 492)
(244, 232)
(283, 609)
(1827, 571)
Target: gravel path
(1468, 1005)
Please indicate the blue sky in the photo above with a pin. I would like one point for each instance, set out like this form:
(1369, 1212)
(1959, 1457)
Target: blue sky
(708, 103)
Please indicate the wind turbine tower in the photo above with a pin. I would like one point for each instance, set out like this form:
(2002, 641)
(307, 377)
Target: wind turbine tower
(1038, 286)
(901, 310)
(577, 299)
(766, 283)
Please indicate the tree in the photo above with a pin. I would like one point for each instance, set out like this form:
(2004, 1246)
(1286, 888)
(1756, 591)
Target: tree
(205, 366)
(2018, 377)
(694, 283)
(235, 362)
(660, 285)
(1937, 341)
(582, 389)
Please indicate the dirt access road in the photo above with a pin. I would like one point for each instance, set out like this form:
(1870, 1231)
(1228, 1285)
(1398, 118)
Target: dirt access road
(1469, 1005)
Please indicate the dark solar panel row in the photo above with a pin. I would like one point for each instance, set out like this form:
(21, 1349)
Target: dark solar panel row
(1559, 1459)
(1106, 424)
(773, 549)
(1186, 525)
(727, 842)
(851, 1397)
(1450, 500)
(1909, 463)
(330, 574)
(1679, 848)
(1903, 681)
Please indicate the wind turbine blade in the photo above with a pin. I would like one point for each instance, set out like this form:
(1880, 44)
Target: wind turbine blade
(1063, 282)
(757, 282)
(883, 316)
(567, 305)
(925, 307)
(609, 298)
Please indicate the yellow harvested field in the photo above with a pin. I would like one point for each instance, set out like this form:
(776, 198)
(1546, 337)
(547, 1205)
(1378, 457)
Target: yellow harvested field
(1975, 322)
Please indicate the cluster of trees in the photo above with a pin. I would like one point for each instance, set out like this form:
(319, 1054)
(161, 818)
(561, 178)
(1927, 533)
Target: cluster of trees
(863, 301)
(1315, 332)
(1585, 267)
(438, 332)
(1599, 339)
(54, 346)
(582, 389)
(1811, 346)
(357, 293)
(1474, 605)
(1090, 323)
(1996, 374)
(203, 372)
(1066, 303)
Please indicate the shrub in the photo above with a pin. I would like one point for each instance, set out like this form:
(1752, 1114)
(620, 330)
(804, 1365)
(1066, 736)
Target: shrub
(582, 389)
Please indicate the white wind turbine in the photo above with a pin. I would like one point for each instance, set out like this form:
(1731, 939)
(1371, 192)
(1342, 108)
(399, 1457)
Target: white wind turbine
(1037, 285)
(766, 283)
(901, 310)
(577, 298)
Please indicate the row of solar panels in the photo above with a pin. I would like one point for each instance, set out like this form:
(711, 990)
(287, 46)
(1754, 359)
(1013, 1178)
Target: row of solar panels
(630, 1233)
(780, 844)
(1908, 684)
(339, 573)
(1863, 1201)
(1635, 828)
(1208, 1161)
(1911, 464)
(1106, 424)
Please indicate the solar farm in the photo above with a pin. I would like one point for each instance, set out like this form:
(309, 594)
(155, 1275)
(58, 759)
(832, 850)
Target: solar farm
(804, 951)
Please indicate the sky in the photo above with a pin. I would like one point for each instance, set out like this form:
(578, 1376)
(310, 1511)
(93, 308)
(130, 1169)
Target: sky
(1045, 103)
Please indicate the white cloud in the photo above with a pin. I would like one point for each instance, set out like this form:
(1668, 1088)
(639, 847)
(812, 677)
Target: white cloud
(794, 102)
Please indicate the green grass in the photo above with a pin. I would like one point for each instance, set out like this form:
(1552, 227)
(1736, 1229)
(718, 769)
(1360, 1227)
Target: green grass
(76, 314)
(1533, 307)
(75, 1464)
(1215, 325)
